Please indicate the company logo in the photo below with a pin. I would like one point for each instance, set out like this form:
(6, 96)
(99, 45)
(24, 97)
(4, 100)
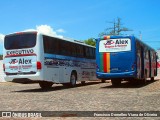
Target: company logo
(21, 61)
(13, 61)
(109, 42)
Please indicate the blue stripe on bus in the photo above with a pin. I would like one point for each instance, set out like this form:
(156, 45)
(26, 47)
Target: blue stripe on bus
(62, 57)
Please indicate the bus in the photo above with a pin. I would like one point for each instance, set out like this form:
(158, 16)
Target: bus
(124, 58)
(45, 59)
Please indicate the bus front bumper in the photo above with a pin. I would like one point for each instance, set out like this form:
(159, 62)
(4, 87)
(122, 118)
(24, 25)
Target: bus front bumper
(129, 74)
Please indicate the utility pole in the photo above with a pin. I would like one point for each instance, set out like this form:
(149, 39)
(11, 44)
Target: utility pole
(114, 27)
(140, 35)
(117, 28)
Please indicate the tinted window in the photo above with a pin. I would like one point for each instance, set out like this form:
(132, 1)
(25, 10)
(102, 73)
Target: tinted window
(80, 50)
(51, 45)
(73, 49)
(19, 41)
(61, 47)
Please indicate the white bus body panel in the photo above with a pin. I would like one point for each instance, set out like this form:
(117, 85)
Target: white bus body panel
(55, 68)
(19, 63)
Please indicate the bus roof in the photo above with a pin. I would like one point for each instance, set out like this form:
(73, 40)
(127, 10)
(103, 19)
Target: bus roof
(50, 35)
(69, 39)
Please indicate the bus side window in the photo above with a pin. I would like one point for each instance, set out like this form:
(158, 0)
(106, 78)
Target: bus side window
(87, 52)
(84, 53)
(91, 53)
(68, 49)
(62, 47)
(56, 46)
(79, 50)
(46, 44)
(73, 47)
(146, 55)
(94, 55)
(152, 56)
(51, 45)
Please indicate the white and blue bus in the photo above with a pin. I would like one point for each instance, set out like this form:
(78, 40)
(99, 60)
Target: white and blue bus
(33, 56)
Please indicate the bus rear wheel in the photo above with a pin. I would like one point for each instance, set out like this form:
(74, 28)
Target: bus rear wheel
(116, 82)
(152, 79)
(144, 80)
(45, 85)
(83, 82)
(73, 79)
(103, 80)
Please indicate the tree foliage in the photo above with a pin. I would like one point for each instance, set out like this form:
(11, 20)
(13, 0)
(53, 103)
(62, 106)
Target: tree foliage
(90, 41)
(1, 57)
(116, 29)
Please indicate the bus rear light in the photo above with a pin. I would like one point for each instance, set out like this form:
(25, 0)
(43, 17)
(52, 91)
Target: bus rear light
(39, 65)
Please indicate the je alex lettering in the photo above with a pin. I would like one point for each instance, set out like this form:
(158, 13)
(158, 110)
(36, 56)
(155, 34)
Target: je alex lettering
(121, 41)
(21, 61)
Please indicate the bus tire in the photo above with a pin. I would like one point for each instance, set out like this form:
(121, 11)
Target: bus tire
(45, 85)
(144, 80)
(73, 79)
(103, 80)
(152, 79)
(134, 81)
(66, 84)
(83, 82)
(116, 82)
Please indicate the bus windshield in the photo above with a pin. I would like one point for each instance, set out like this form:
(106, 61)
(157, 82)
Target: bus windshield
(115, 45)
(19, 41)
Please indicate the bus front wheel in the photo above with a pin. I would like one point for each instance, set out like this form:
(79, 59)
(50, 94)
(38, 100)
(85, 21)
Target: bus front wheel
(45, 85)
(116, 82)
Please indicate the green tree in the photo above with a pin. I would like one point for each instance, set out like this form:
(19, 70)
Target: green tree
(116, 29)
(90, 41)
(1, 57)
